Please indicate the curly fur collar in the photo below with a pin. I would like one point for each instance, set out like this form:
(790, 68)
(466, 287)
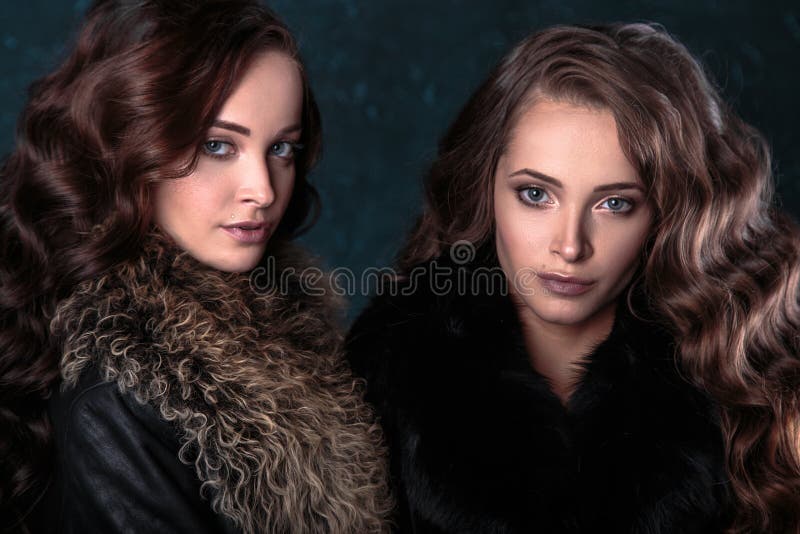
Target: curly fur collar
(267, 411)
(480, 443)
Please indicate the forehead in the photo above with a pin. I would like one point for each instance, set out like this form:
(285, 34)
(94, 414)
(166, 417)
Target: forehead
(568, 141)
(270, 90)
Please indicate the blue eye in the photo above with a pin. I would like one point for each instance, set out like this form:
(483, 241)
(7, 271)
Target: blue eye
(218, 149)
(532, 195)
(284, 149)
(615, 207)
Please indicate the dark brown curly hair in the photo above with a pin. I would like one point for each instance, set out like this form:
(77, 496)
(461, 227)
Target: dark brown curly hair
(722, 263)
(128, 107)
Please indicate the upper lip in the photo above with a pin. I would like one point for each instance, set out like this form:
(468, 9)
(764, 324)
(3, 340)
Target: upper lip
(564, 278)
(248, 224)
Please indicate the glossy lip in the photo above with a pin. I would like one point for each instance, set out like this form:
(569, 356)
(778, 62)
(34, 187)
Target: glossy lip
(249, 231)
(565, 279)
(567, 286)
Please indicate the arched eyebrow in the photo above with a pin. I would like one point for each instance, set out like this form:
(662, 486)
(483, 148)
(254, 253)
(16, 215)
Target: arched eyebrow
(232, 126)
(244, 130)
(605, 187)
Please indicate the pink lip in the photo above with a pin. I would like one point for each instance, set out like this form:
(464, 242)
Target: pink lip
(249, 231)
(565, 285)
(564, 278)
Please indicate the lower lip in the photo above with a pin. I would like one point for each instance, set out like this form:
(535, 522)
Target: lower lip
(564, 288)
(256, 235)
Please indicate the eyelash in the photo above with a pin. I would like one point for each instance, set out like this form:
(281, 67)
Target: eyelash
(528, 202)
(294, 147)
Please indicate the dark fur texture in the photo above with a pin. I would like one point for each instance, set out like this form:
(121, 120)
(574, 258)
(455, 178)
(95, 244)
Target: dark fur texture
(479, 443)
(267, 410)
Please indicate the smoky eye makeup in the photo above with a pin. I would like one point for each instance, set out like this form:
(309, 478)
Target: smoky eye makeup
(532, 195)
(285, 149)
(218, 148)
(535, 196)
(630, 203)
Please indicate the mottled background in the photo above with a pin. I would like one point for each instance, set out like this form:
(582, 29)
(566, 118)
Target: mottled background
(391, 74)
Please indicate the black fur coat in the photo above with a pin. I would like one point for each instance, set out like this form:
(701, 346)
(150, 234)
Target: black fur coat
(479, 443)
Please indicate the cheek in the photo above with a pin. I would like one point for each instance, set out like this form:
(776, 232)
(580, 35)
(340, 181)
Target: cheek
(283, 187)
(518, 231)
(501, 230)
(515, 237)
(179, 201)
(167, 202)
(624, 248)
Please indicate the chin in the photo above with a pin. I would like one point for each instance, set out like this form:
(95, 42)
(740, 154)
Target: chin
(237, 262)
(563, 313)
(242, 266)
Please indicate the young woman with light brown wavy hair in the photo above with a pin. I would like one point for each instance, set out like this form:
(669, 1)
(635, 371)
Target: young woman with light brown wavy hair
(145, 384)
(636, 365)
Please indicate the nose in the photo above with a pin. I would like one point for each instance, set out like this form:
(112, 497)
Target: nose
(570, 239)
(255, 186)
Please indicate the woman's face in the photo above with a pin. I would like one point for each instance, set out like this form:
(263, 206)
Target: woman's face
(225, 211)
(567, 201)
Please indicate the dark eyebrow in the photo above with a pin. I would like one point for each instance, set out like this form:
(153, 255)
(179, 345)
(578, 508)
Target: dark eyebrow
(232, 126)
(550, 179)
(290, 129)
(246, 131)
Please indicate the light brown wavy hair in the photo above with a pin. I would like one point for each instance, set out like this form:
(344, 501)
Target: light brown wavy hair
(130, 106)
(721, 263)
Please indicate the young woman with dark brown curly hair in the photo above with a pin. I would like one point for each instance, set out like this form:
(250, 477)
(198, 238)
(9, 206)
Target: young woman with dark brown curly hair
(597, 325)
(147, 384)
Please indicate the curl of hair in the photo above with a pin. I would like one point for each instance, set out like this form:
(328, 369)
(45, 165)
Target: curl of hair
(721, 266)
(129, 107)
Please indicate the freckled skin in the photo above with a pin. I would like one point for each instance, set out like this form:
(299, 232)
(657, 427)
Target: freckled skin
(574, 231)
(254, 180)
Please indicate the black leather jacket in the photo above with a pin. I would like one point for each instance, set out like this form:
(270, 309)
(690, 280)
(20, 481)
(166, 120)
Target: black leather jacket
(117, 468)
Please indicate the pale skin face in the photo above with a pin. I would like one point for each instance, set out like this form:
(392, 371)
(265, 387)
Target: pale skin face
(245, 173)
(570, 229)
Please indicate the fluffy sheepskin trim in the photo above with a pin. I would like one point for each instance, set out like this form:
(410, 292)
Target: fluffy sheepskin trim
(267, 411)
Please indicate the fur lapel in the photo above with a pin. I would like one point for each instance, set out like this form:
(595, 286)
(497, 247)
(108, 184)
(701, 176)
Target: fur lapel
(480, 443)
(267, 411)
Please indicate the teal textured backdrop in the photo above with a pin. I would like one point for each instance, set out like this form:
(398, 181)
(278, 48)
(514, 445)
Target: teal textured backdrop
(391, 74)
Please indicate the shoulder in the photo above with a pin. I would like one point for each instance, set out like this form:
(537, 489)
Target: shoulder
(400, 326)
(434, 339)
(100, 431)
(118, 466)
(297, 298)
(438, 302)
(94, 406)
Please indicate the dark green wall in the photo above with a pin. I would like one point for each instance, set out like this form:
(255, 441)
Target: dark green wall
(390, 75)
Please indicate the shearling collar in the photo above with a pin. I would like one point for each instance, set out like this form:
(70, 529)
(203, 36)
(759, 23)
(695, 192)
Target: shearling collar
(481, 444)
(267, 412)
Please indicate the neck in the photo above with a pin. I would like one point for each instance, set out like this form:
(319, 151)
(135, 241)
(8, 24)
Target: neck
(555, 350)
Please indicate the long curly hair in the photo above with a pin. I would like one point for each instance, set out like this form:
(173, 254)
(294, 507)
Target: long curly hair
(130, 106)
(720, 266)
